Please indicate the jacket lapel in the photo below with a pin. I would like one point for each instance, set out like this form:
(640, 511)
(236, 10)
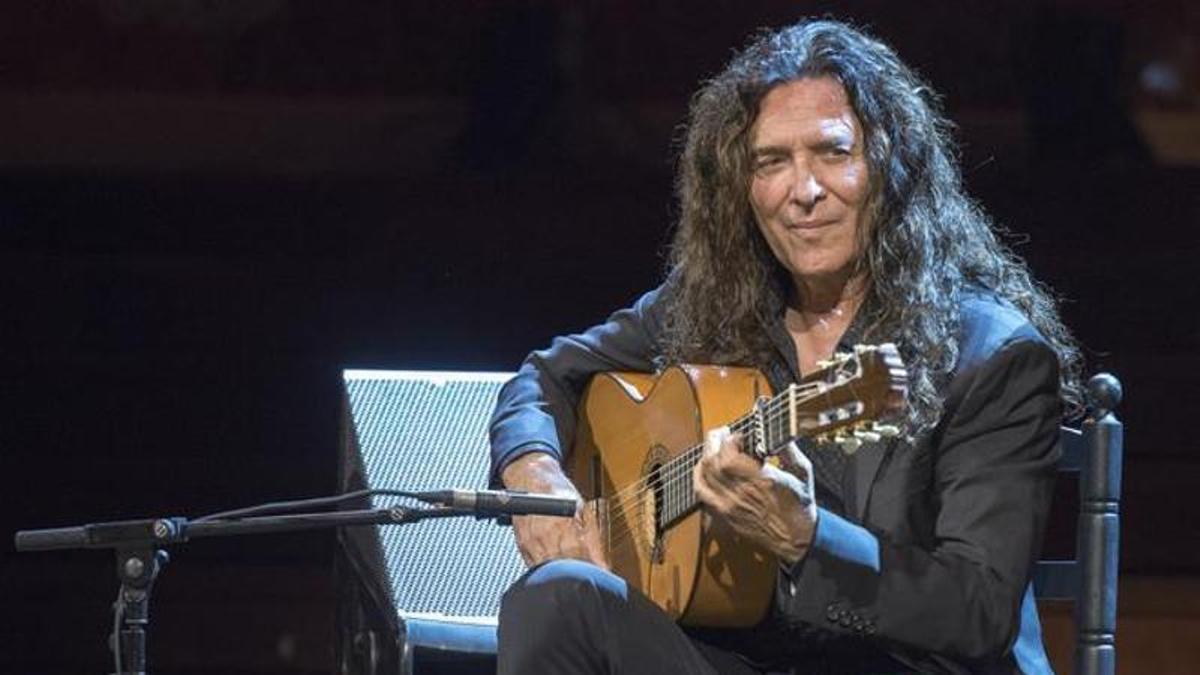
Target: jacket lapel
(866, 465)
(868, 459)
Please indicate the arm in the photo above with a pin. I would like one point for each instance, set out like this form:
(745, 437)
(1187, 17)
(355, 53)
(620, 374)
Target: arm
(536, 410)
(990, 467)
(534, 424)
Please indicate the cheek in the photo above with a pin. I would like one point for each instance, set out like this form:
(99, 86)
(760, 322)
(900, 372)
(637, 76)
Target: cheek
(757, 197)
(764, 198)
(856, 184)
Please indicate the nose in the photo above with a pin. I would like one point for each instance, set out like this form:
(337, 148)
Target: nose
(807, 189)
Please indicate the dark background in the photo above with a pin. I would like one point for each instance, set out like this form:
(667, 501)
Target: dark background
(208, 209)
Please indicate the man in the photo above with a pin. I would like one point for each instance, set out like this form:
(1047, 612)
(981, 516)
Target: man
(820, 207)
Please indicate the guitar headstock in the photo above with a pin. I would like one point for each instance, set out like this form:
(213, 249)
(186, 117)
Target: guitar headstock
(855, 397)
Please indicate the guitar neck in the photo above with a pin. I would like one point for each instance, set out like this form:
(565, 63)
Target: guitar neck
(764, 430)
(838, 403)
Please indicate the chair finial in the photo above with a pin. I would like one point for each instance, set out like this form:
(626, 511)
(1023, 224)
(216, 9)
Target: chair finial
(1103, 393)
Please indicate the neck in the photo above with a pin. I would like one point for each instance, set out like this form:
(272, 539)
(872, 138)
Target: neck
(839, 294)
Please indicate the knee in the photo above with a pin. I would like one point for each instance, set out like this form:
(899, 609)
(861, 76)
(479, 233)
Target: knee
(556, 618)
(566, 583)
(558, 593)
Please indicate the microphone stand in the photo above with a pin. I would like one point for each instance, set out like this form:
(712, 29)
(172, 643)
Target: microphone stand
(140, 555)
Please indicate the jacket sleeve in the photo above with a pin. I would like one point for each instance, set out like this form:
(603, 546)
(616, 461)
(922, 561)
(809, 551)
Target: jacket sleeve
(989, 479)
(535, 411)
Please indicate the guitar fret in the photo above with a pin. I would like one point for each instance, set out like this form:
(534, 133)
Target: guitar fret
(851, 391)
(679, 495)
(676, 496)
(775, 424)
(772, 436)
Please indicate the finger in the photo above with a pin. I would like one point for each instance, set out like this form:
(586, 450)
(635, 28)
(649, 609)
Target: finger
(795, 461)
(521, 534)
(699, 484)
(730, 448)
(703, 486)
(525, 556)
(572, 535)
(733, 464)
(801, 489)
(593, 543)
(713, 473)
(541, 538)
(721, 448)
(714, 439)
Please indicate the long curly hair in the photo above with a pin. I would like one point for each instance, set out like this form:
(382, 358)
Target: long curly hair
(927, 242)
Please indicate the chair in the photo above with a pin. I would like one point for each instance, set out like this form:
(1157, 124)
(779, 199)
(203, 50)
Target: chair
(1090, 580)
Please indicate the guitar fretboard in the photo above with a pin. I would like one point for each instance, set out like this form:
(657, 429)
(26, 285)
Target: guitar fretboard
(764, 430)
(841, 402)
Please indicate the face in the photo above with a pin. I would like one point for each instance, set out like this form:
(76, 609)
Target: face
(810, 182)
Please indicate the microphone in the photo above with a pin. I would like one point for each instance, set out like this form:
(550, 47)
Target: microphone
(502, 502)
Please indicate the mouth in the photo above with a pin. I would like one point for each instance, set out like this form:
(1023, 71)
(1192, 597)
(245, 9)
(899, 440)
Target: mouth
(809, 224)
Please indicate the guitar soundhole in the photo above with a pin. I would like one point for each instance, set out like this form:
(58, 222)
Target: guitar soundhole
(658, 508)
(653, 512)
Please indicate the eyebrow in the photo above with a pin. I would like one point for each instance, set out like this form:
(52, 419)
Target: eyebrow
(837, 141)
(768, 150)
(831, 143)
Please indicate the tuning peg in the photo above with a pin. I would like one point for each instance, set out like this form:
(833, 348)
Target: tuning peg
(838, 358)
(849, 444)
(868, 436)
(886, 430)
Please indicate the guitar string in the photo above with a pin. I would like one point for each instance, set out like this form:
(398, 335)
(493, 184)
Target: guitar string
(684, 463)
(774, 406)
(675, 493)
(681, 463)
(660, 479)
(681, 497)
(679, 494)
(629, 527)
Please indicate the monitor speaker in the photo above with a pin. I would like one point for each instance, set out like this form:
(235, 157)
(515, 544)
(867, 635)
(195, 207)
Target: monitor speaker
(423, 595)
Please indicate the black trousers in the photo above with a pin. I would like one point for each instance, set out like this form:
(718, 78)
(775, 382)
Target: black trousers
(568, 616)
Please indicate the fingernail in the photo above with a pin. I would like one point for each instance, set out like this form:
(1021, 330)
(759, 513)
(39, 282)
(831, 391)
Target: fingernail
(713, 440)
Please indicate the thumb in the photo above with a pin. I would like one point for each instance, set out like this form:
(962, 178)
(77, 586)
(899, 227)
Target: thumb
(594, 535)
(796, 462)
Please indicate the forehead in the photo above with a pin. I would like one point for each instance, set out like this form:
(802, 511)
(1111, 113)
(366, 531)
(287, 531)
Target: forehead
(811, 105)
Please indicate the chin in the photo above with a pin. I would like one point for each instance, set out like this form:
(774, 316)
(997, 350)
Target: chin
(816, 270)
(813, 270)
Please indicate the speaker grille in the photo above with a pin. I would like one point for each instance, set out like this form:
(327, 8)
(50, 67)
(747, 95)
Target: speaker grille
(426, 430)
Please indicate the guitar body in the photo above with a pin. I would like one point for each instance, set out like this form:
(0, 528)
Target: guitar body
(695, 568)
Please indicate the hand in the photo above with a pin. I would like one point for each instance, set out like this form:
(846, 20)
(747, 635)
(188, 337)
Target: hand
(542, 538)
(772, 507)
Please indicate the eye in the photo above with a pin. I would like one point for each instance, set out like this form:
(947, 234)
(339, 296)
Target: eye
(768, 162)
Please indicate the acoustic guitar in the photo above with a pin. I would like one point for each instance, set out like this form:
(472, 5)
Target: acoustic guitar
(640, 436)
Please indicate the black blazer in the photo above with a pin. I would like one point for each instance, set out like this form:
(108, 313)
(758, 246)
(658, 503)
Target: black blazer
(931, 559)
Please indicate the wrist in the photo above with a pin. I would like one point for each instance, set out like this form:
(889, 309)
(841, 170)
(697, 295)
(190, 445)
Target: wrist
(797, 549)
(537, 472)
